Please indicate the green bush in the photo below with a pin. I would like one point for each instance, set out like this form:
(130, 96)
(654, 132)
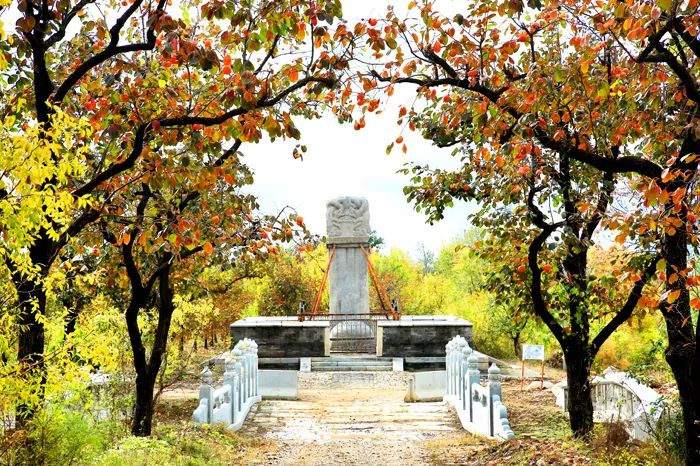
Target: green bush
(179, 444)
(61, 436)
(669, 432)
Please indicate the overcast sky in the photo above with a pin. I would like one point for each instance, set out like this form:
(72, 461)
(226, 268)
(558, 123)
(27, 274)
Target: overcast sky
(343, 162)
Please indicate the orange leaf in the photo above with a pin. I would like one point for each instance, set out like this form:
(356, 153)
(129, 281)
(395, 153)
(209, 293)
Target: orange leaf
(673, 296)
(208, 248)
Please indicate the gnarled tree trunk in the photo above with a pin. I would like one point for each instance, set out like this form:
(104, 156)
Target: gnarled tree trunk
(579, 402)
(682, 352)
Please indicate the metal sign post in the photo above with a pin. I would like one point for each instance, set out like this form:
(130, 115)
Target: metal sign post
(532, 353)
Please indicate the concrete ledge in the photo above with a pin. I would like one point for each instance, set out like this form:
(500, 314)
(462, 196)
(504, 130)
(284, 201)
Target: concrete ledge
(246, 410)
(426, 386)
(278, 384)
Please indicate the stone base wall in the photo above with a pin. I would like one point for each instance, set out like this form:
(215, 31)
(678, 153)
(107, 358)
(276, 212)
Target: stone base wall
(284, 341)
(419, 337)
(400, 341)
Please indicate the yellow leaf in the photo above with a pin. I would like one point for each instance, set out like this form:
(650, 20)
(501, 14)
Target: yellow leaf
(585, 64)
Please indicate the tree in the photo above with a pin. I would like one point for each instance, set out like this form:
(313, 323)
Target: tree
(292, 277)
(161, 231)
(426, 258)
(539, 120)
(376, 242)
(147, 82)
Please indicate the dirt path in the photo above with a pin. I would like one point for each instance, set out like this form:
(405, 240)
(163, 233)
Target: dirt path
(349, 419)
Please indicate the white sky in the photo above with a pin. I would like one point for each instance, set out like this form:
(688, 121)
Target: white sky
(341, 161)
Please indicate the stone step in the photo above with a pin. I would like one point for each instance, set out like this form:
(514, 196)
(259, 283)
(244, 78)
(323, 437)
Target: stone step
(351, 368)
(363, 357)
(351, 363)
(324, 421)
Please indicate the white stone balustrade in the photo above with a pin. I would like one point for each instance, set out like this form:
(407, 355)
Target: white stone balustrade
(230, 403)
(480, 407)
(617, 397)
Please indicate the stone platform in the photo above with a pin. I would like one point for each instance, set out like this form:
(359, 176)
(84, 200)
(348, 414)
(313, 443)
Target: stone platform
(283, 340)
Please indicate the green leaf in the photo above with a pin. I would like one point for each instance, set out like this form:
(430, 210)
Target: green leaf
(604, 90)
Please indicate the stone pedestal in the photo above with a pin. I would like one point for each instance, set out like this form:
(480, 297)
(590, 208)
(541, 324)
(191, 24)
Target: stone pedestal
(347, 224)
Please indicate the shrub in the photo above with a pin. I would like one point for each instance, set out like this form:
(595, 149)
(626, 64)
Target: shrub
(60, 436)
(669, 431)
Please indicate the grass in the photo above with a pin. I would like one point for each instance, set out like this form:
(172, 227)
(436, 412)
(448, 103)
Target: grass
(176, 440)
(543, 438)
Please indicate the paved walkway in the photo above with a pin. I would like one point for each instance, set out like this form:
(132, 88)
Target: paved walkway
(349, 419)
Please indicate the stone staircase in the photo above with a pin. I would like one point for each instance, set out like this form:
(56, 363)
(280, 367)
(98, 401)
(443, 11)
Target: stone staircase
(344, 363)
(349, 418)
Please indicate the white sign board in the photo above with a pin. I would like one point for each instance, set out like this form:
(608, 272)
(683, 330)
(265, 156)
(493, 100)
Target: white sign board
(533, 352)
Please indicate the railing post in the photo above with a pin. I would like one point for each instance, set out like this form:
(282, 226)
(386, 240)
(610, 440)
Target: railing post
(237, 354)
(246, 373)
(245, 382)
(207, 391)
(254, 350)
(230, 380)
(494, 389)
(461, 367)
(472, 378)
(448, 368)
(465, 355)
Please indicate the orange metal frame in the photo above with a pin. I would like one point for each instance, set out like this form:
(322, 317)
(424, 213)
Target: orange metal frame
(384, 300)
(317, 301)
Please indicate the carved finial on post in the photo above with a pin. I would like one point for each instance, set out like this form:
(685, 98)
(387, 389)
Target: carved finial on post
(466, 351)
(229, 368)
(206, 376)
(494, 373)
(495, 380)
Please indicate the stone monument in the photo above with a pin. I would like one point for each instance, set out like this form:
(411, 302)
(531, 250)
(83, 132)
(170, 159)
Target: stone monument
(347, 225)
(289, 342)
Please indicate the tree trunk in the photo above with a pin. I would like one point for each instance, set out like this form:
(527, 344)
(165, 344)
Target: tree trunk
(516, 345)
(579, 403)
(143, 410)
(681, 353)
(145, 381)
(30, 347)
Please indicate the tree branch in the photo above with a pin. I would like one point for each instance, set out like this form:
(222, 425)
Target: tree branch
(626, 311)
(61, 32)
(539, 305)
(112, 49)
(607, 164)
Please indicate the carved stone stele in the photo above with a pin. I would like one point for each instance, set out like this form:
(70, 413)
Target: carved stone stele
(347, 220)
(347, 225)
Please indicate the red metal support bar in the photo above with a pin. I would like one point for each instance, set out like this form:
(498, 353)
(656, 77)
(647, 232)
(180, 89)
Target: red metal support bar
(384, 300)
(317, 301)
